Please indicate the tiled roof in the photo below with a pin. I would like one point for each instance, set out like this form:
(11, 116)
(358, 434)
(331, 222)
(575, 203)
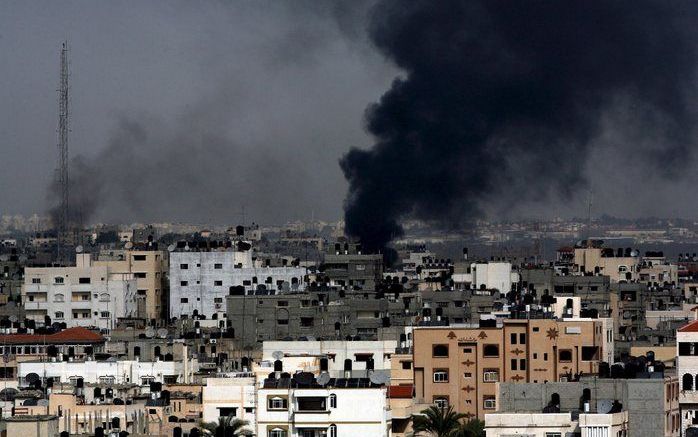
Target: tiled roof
(400, 391)
(691, 327)
(67, 336)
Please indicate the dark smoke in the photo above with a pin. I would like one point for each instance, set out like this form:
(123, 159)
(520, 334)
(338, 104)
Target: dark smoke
(85, 185)
(506, 98)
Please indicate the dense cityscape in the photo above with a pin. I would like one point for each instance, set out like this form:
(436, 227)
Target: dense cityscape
(366, 218)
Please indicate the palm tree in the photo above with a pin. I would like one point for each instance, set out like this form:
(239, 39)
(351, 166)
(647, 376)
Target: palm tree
(471, 428)
(437, 422)
(229, 426)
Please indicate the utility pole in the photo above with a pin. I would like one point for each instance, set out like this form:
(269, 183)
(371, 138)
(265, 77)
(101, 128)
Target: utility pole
(63, 129)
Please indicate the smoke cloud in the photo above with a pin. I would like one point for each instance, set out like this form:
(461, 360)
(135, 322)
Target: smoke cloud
(507, 100)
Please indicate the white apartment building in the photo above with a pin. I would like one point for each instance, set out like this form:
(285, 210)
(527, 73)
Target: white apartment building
(556, 425)
(488, 275)
(330, 356)
(329, 411)
(109, 372)
(84, 295)
(235, 395)
(687, 372)
(200, 280)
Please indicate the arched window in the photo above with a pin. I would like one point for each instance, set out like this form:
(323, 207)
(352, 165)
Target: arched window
(687, 382)
(333, 400)
(59, 298)
(332, 431)
(440, 350)
(277, 432)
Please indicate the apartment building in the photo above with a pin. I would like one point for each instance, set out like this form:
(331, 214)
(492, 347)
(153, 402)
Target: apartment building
(460, 366)
(150, 268)
(649, 398)
(85, 295)
(299, 407)
(687, 371)
(200, 280)
(493, 275)
(619, 265)
(222, 397)
(557, 424)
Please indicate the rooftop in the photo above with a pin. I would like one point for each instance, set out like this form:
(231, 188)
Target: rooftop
(66, 336)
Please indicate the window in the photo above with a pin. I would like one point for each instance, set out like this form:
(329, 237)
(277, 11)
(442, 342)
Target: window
(217, 283)
(556, 434)
(184, 300)
(277, 432)
(104, 314)
(146, 380)
(333, 400)
(590, 353)
(441, 402)
(512, 338)
(141, 275)
(84, 280)
(545, 356)
(277, 403)
(218, 266)
(566, 356)
(406, 365)
(184, 266)
(36, 280)
(489, 403)
(107, 380)
(312, 403)
(332, 431)
(467, 375)
(522, 338)
(183, 283)
(490, 351)
(522, 364)
(139, 257)
(217, 300)
(440, 351)
(441, 375)
(282, 303)
(490, 375)
(58, 280)
(59, 314)
(514, 363)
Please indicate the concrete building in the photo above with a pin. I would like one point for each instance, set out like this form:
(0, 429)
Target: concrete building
(620, 265)
(687, 371)
(460, 366)
(236, 396)
(31, 426)
(556, 424)
(85, 295)
(346, 266)
(493, 275)
(200, 280)
(341, 407)
(150, 268)
(650, 400)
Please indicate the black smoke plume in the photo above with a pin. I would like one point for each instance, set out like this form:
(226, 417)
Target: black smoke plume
(506, 98)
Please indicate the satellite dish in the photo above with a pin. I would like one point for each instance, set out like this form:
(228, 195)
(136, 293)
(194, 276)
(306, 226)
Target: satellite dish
(13, 318)
(128, 245)
(171, 248)
(162, 333)
(379, 378)
(323, 378)
(31, 378)
(150, 332)
(277, 355)
(304, 378)
(78, 249)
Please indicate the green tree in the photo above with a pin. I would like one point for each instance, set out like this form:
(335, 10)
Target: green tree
(227, 427)
(471, 428)
(437, 422)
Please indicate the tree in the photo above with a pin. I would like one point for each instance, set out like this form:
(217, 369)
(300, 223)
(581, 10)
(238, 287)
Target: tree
(437, 422)
(471, 428)
(228, 426)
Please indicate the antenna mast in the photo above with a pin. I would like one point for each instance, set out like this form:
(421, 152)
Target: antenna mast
(63, 129)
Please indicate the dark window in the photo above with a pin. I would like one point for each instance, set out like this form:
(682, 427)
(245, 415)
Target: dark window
(590, 353)
(687, 382)
(184, 300)
(183, 283)
(307, 322)
(406, 365)
(139, 257)
(565, 356)
(218, 266)
(84, 280)
(512, 338)
(311, 404)
(141, 275)
(522, 338)
(183, 266)
(490, 350)
(217, 283)
(440, 351)
(522, 364)
(514, 364)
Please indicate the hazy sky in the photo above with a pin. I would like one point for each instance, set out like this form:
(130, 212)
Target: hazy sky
(188, 111)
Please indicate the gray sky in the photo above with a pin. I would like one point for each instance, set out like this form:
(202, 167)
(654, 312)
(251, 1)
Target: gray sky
(186, 111)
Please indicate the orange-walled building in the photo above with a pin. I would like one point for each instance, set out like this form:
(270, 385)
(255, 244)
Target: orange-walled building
(460, 366)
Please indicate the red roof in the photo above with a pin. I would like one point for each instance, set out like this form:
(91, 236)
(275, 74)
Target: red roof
(71, 335)
(691, 327)
(400, 391)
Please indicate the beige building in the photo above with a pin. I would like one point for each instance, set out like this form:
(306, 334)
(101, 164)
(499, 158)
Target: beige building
(460, 366)
(149, 267)
(31, 426)
(619, 266)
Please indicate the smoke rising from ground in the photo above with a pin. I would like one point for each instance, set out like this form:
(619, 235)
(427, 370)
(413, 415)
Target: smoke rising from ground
(508, 100)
